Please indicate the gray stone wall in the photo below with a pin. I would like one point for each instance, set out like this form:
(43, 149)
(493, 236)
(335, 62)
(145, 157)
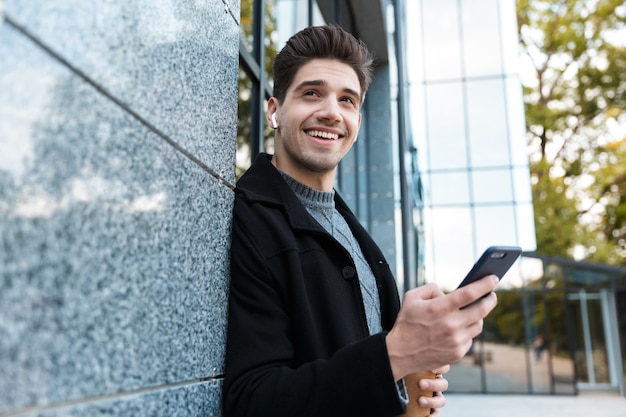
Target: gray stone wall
(117, 150)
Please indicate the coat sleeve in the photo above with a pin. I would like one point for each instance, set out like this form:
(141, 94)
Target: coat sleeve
(261, 378)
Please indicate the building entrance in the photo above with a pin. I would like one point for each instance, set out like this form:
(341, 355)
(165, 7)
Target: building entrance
(594, 321)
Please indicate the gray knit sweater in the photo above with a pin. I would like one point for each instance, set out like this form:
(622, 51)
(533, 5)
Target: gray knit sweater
(321, 205)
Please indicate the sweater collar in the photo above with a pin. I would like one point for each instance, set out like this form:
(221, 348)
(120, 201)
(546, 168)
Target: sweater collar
(263, 183)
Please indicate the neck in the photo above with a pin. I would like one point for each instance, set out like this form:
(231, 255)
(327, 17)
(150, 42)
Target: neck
(323, 181)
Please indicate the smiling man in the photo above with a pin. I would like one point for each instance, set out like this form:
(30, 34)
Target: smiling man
(315, 324)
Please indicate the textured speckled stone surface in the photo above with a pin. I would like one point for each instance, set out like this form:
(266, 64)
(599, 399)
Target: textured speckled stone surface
(201, 399)
(174, 63)
(113, 242)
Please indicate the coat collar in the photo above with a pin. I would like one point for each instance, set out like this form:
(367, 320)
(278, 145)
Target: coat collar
(263, 184)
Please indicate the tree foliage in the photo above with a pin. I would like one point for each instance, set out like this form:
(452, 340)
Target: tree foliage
(575, 102)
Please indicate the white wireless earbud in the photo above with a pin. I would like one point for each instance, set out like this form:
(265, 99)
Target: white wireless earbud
(274, 122)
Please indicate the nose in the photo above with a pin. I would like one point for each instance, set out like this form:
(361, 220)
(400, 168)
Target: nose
(330, 110)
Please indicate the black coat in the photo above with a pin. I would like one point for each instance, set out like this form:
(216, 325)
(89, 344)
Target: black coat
(298, 343)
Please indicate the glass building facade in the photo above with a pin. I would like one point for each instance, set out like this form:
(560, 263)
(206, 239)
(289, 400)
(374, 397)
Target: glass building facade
(469, 130)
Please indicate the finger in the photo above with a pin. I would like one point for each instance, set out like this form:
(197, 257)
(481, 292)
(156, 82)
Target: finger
(471, 292)
(434, 385)
(481, 307)
(425, 292)
(435, 402)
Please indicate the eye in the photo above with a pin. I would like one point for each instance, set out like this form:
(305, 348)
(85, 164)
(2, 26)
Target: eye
(310, 93)
(349, 100)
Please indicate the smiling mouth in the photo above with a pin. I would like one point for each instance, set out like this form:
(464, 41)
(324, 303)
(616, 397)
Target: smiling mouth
(322, 135)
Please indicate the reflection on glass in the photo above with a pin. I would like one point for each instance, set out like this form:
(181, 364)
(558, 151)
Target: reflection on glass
(481, 39)
(620, 298)
(492, 186)
(495, 225)
(488, 130)
(524, 215)
(452, 253)
(250, 82)
(447, 147)
(442, 40)
(466, 374)
(555, 348)
(292, 16)
(504, 353)
(521, 185)
(244, 151)
(589, 338)
(516, 120)
(449, 188)
(598, 342)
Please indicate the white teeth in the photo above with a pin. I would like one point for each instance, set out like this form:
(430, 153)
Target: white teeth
(324, 135)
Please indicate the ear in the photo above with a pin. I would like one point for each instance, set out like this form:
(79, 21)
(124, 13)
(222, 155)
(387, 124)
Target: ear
(358, 127)
(272, 110)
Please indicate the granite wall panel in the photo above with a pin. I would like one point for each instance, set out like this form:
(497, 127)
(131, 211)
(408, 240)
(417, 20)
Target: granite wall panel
(117, 149)
(172, 63)
(201, 399)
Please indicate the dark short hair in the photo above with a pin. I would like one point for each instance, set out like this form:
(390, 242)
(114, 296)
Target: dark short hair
(325, 42)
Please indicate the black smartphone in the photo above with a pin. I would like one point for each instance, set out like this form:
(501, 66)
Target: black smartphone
(496, 260)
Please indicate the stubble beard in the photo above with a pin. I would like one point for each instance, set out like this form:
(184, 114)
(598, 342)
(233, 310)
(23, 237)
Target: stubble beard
(311, 159)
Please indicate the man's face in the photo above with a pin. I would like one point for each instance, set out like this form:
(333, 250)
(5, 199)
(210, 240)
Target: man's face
(318, 121)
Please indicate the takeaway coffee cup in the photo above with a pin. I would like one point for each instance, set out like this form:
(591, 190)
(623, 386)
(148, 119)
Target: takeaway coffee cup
(413, 390)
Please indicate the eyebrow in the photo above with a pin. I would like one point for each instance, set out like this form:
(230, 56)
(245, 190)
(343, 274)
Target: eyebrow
(321, 83)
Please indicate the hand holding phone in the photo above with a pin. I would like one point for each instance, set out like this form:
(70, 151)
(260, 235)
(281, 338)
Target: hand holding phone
(496, 260)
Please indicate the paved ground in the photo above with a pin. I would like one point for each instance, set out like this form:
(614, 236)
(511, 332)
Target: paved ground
(583, 405)
(507, 372)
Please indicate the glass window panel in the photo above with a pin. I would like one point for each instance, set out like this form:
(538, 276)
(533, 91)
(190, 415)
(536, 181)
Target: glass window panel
(590, 348)
(415, 50)
(599, 356)
(427, 252)
(510, 40)
(466, 373)
(446, 126)
(417, 121)
(452, 251)
(521, 185)
(492, 186)
(495, 225)
(449, 188)
(516, 121)
(292, 16)
(246, 24)
(503, 354)
(557, 347)
(537, 342)
(620, 299)
(481, 38)
(531, 271)
(526, 226)
(244, 151)
(487, 123)
(442, 48)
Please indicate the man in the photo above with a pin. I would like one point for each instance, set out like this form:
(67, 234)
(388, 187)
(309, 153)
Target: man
(315, 324)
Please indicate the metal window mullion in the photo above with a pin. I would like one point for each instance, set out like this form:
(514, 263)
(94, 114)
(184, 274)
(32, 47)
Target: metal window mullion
(260, 83)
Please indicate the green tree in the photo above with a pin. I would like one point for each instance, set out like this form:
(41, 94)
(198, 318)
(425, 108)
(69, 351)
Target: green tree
(575, 104)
